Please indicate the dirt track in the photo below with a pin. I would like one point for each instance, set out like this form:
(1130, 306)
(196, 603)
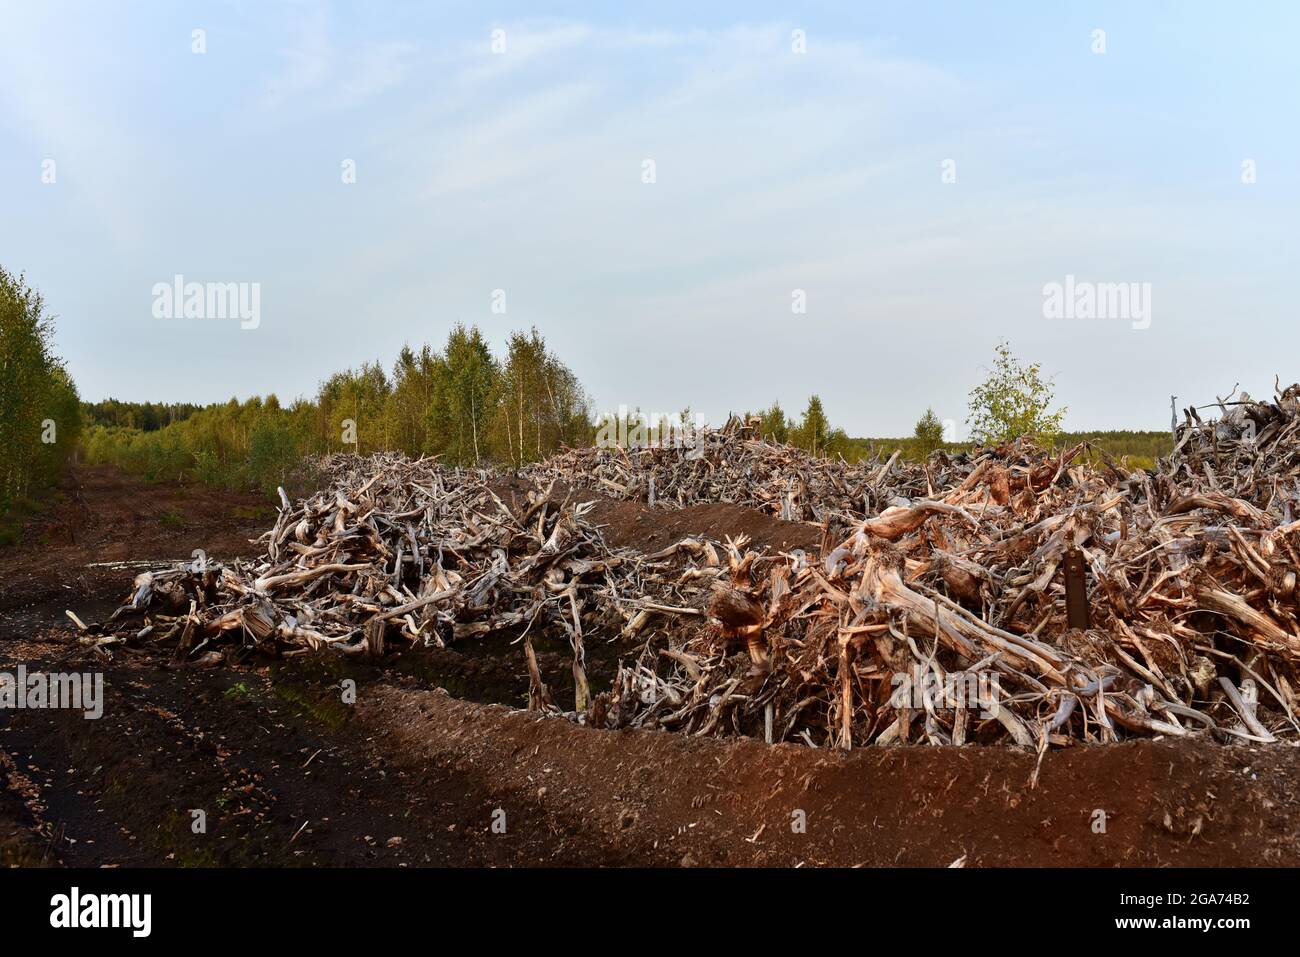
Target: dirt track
(286, 773)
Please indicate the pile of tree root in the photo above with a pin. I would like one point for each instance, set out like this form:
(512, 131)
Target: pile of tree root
(396, 552)
(730, 465)
(942, 618)
(936, 614)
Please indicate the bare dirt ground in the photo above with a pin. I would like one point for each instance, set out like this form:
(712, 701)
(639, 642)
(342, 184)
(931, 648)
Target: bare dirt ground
(429, 758)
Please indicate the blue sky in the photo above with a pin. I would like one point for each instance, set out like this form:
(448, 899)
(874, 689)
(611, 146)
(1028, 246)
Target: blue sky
(775, 171)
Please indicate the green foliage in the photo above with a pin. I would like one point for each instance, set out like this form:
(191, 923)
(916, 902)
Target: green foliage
(1013, 401)
(415, 406)
(351, 407)
(146, 416)
(274, 448)
(540, 404)
(252, 444)
(40, 412)
(813, 433)
(470, 390)
(774, 426)
(460, 404)
(928, 432)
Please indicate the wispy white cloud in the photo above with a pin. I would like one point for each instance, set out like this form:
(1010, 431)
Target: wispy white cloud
(320, 72)
(523, 44)
(306, 63)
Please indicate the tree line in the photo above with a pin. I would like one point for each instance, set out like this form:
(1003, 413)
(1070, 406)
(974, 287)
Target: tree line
(40, 418)
(461, 403)
(470, 407)
(811, 432)
(146, 416)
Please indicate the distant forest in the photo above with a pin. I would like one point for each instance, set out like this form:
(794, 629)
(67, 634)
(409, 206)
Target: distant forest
(1138, 449)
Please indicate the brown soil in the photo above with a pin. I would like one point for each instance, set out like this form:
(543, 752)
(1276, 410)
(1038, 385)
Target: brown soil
(412, 774)
(632, 525)
(99, 516)
(660, 798)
